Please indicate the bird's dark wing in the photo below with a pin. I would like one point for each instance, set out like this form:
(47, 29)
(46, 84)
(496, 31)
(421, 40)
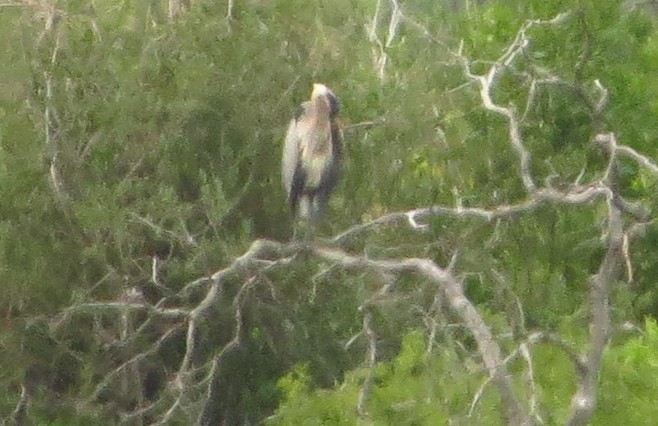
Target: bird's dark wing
(331, 174)
(337, 140)
(334, 105)
(300, 111)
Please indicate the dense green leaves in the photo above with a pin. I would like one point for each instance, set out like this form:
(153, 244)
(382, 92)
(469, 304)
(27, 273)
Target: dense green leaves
(417, 388)
(139, 151)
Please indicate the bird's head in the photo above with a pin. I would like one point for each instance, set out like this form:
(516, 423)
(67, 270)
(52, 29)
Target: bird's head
(322, 91)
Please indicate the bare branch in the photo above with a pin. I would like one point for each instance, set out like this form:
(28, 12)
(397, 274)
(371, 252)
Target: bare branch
(565, 347)
(527, 356)
(432, 323)
(370, 361)
(581, 194)
(229, 10)
(135, 360)
(459, 303)
(211, 378)
(379, 56)
(393, 24)
(609, 142)
(118, 306)
(485, 83)
(185, 239)
(176, 7)
(583, 402)
(19, 415)
(603, 99)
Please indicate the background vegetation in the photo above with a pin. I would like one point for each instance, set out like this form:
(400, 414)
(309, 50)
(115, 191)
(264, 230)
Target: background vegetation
(139, 155)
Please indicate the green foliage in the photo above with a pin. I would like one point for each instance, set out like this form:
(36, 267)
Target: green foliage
(412, 389)
(629, 380)
(420, 388)
(165, 139)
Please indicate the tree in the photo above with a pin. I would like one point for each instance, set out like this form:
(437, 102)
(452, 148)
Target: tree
(486, 256)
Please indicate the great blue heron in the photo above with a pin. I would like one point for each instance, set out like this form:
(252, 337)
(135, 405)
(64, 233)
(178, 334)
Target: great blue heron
(312, 154)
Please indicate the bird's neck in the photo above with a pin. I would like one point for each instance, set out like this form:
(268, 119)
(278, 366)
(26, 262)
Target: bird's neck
(322, 107)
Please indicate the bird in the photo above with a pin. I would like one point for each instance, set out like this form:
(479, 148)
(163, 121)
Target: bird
(312, 154)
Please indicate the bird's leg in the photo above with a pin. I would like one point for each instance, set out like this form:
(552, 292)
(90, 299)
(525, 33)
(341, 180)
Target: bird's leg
(305, 207)
(303, 230)
(297, 231)
(319, 206)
